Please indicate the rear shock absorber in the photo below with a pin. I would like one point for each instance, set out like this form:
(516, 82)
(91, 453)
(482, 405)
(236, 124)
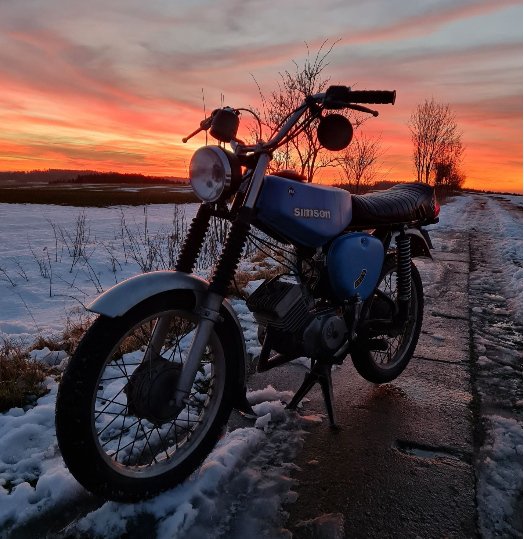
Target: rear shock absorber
(194, 239)
(403, 275)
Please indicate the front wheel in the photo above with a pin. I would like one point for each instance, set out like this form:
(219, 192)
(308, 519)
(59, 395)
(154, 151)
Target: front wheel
(381, 366)
(119, 430)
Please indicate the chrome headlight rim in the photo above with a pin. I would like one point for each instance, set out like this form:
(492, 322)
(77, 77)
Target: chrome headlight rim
(231, 172)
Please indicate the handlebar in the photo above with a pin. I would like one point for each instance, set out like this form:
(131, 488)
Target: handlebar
(372, 97)
(338, 96)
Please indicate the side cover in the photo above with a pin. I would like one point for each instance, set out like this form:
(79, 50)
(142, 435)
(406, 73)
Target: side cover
(354, 262)
(309, 214)
(122, 297)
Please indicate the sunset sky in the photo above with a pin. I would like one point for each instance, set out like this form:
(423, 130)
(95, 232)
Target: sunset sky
(115, 85)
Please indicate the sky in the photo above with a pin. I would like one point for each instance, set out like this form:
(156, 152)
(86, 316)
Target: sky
(115, 85)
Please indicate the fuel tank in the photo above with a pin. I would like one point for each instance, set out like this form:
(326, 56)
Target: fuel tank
(307, 213)
(354, 262)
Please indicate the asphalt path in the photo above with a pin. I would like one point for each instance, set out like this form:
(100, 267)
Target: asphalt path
(402, 462)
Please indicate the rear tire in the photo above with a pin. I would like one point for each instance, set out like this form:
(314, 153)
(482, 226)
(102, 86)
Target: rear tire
(380, 367)
(100, 377)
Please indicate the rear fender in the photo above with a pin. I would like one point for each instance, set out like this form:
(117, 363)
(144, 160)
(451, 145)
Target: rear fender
(419, 245)
(124, 296)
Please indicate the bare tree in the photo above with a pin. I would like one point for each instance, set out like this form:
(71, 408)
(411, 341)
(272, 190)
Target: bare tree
(304, 152)
(449, 176)
(435, 136)
(360, 163)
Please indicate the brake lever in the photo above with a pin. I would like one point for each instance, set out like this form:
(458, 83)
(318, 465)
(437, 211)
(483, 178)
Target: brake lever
(334, 105)
(204, 126)
(360, 108)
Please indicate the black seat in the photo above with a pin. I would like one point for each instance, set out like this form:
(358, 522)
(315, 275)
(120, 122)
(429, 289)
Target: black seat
(402, 203)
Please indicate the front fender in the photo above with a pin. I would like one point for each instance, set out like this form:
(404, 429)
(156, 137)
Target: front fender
(124, 296)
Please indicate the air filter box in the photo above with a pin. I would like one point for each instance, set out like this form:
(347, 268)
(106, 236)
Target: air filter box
(284, 306)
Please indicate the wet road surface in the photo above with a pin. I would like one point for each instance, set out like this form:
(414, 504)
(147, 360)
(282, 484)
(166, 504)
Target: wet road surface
(402, 462)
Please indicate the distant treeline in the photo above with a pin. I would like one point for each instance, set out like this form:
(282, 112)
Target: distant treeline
(43, 176)
(58, 176)
(116, 177)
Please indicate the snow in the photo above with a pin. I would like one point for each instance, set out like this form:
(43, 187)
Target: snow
(33, 477)
(497, 222)
(48, 357)
(238, 468)
(29, 248)
(505, 231)
(501, 484)
(27, 454)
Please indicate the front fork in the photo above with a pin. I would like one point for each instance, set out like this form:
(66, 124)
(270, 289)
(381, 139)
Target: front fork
(224, 272)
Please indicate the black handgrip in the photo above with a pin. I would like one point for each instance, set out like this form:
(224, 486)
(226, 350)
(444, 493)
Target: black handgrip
(372, 97)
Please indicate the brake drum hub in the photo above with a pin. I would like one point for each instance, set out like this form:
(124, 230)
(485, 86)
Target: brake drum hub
(150, 391)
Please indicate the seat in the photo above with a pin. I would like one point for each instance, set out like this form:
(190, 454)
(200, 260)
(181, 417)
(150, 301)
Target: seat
(401, 203)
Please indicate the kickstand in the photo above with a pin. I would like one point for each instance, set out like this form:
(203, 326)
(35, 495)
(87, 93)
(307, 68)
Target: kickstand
(321, 374)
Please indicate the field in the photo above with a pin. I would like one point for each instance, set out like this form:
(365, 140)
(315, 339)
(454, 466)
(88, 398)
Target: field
(96, 195)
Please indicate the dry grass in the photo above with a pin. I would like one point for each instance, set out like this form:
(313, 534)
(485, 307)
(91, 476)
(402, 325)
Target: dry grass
(21, 378)
(77, 323)
(243, 278)
(258, 257)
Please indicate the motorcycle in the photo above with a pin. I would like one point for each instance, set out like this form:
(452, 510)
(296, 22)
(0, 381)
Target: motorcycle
(152, 383)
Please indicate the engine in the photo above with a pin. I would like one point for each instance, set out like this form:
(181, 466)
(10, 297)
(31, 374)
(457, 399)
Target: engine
(296, 327)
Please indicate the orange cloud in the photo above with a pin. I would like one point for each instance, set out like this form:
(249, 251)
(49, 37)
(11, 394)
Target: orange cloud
(126, 105)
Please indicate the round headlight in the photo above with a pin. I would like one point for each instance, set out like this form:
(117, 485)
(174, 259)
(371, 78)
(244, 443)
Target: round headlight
(213, 173)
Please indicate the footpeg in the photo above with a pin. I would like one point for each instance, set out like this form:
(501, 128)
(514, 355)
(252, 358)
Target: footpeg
(321, 374)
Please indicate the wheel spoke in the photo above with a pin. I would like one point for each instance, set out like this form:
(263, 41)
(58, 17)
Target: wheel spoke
(117, 435)
(397, 344)
(145, 443)
(112, 421)
(110, 401)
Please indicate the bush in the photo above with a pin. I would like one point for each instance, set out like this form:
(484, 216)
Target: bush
(21, 378)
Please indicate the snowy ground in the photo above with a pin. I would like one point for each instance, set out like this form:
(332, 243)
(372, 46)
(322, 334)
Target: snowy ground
(35, 257)
(249, 467)
(244, 482)
(494, 224)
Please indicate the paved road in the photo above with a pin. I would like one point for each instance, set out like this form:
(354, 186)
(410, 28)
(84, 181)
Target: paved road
(401, 464)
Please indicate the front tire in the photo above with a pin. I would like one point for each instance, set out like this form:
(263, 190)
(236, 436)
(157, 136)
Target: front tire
(380, 367)
(117, 427)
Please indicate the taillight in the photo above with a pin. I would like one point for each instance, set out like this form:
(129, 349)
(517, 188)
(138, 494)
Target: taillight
(437, 207)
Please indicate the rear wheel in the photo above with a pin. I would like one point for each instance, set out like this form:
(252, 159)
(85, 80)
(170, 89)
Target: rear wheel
(380, 366)
(119, 430)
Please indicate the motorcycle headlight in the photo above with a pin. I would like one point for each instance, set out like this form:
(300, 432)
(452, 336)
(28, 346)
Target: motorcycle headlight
(214, 173)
